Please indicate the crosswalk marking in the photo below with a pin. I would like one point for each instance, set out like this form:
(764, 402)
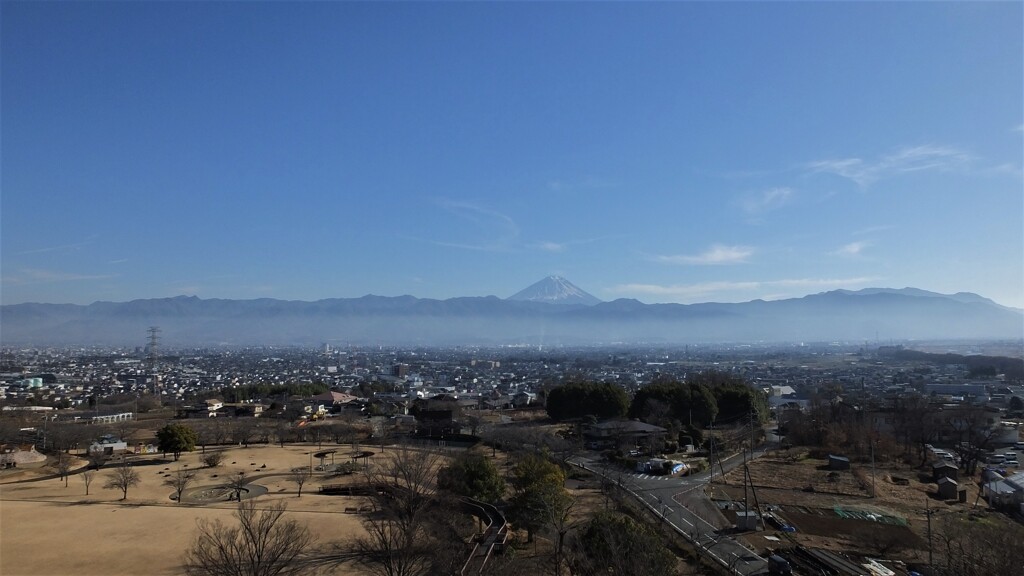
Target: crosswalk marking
(649, 477)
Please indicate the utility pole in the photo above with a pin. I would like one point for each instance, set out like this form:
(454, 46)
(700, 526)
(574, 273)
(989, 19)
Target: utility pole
(711, 440)
(746, 469)
(873, 468)
(928, 513)
(752, 435)
(747, 477)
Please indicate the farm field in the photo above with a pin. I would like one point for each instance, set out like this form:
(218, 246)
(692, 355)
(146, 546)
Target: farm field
(838, 511)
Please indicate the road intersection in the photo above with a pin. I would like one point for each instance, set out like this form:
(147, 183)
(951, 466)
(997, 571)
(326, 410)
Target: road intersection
(682, 503)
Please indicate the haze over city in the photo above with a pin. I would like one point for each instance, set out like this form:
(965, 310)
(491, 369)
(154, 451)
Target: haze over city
(669, 152)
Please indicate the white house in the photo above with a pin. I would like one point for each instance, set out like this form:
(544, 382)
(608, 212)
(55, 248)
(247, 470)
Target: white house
(108, 445)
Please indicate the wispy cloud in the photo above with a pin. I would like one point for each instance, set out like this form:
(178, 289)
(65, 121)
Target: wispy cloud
(716, 255)
(873, 229)
(1018, 128)
(60, 247)
(1005, 169)
(40, 276)
(911, 159)
(496, 231)
(731, 290)
(765, 201)
(851, 249)
(550, 246)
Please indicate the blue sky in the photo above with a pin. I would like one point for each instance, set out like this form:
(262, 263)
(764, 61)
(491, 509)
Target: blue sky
(669, 152)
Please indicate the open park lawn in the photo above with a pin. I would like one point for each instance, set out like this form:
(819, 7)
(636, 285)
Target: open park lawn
(47, 529)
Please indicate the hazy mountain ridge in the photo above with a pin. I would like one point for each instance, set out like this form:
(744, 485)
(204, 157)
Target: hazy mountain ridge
(869, 314)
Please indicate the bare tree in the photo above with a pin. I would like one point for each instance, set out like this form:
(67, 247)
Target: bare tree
(410, 475)
(397, 535)
(97, 460)
(125, 429)
(123, 478)
(180, 480)
(64, 467)
(262, 431)
(237, 484)
(300, 476)
(87, 476)
(204, 434)
(974, 427)
(973, 548)
(283, 431)
(262, 544)
(64, 436)
(220, 431)
(213, 459)
(243, 430)
(390, 549)
(379, 426)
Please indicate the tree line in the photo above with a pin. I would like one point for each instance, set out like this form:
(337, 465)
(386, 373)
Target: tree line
(696, 402)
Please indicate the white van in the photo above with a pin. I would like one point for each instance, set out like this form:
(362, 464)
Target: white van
(996, 459)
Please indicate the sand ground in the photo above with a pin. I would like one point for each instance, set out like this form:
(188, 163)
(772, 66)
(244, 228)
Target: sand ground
(49, 529)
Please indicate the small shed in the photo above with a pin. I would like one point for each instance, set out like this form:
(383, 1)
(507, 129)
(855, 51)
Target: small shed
(947, 488)
(836, 462)
(746, 520)
(943, 469)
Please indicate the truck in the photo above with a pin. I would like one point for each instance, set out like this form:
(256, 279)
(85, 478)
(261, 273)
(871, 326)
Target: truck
(777, 565)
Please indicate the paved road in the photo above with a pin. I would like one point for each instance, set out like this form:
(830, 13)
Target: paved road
(681, 502)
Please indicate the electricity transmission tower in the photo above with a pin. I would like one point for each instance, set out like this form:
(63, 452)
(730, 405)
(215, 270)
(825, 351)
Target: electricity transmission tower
(154, 355)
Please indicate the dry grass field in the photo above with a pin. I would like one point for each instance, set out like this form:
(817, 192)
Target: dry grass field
(49, 529)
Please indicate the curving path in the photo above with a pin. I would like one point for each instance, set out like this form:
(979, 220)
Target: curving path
(490, 541)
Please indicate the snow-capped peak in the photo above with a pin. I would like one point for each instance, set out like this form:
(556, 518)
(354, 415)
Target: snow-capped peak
(555, 290)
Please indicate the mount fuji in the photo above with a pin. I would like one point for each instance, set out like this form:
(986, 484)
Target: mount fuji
(554, 290)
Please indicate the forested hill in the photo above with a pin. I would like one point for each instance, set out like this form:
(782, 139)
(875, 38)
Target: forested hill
(979, 365)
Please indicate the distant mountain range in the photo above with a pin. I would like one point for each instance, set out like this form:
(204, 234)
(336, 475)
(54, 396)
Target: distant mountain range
(551, 312)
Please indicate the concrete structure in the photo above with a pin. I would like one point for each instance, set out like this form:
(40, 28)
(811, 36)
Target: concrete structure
(746, 520)
(108, 445)
(15, 455)
(112, 418)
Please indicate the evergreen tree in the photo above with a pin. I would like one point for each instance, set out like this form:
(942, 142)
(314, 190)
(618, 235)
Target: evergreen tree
(176, 438)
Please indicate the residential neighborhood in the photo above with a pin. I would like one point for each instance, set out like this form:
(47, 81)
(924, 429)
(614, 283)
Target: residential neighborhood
(880, 420)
